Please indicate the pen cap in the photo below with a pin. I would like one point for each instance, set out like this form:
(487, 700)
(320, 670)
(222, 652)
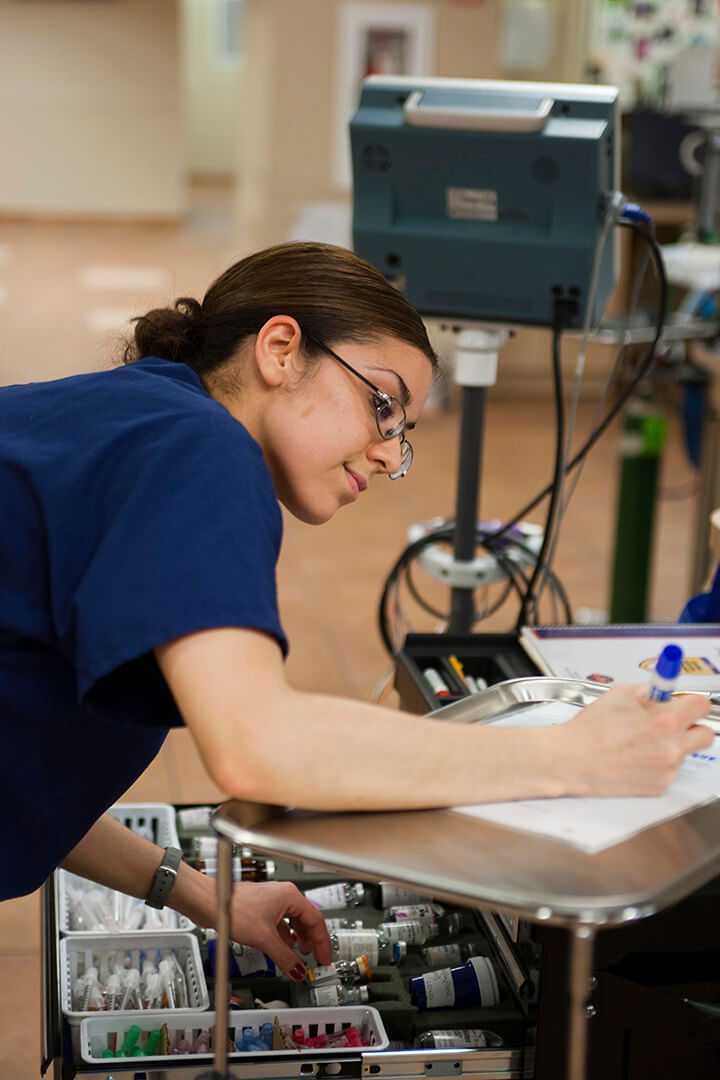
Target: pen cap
(669, 662)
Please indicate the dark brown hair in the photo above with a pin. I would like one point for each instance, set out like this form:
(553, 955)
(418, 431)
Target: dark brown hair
(332, 293)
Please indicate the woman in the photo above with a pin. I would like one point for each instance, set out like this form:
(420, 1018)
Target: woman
(137, 589)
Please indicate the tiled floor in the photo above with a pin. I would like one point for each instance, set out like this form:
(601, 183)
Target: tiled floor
(56, 278)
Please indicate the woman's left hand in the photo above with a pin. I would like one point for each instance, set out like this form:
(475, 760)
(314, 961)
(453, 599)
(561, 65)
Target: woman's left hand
(274, 916)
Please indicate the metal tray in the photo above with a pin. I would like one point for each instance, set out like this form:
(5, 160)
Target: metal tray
(514, 694)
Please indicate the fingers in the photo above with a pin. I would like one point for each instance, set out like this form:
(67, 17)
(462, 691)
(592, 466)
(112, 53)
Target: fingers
(309, 925)
(276, 918)
(681, 711)
(305, 929)
(283, 955)
(288, 936)
(684, 710)
(692, 705)
(698, 739)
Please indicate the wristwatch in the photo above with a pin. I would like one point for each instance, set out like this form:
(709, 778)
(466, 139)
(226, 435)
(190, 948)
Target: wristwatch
(164, 878)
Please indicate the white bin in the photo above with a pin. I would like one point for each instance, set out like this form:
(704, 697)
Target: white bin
(155, 821)
(68, 886)
(77, 953)
(107, 1030)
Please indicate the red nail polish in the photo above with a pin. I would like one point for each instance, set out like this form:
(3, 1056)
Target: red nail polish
(298, 972)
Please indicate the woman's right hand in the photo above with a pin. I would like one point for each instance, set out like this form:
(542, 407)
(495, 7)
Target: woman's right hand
(625, 744)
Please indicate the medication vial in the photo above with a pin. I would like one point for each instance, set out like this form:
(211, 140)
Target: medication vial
(347, 944)
(337, 994)
(456, 1038)
(475, 983)
(450, 955)
(348, 972)
(332, 897)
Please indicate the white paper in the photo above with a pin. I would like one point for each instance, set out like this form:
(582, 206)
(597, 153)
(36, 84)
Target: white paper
(594, 824)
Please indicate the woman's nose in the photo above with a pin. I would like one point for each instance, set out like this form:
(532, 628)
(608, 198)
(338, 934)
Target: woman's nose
(387, 453)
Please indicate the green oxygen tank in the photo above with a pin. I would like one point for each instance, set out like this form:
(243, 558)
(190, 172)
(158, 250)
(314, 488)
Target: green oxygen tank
(641, 447)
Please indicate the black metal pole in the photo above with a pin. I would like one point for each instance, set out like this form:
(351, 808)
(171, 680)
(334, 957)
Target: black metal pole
(462, 605)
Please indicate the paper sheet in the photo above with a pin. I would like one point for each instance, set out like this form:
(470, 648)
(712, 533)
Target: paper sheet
(594, 824)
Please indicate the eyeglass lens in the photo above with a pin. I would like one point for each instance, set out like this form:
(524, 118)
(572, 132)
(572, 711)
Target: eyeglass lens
(391, 417)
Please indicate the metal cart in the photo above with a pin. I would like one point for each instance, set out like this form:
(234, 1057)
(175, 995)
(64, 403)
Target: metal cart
(474, 863)
(465, 861)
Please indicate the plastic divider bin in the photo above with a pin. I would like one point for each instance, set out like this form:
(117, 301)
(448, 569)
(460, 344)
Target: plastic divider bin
(154, 821)
(76, 951)
(67, 884)
(96, 1032)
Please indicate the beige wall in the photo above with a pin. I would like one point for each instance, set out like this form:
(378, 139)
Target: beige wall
(211, 94)
(287, 120)
(289, 99)
(287, 125)
(91, 119)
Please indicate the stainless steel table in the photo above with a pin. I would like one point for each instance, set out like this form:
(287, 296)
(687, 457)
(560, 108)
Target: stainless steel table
(474, 863)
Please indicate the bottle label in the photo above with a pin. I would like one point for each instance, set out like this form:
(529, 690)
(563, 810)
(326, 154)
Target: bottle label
(325, 973)
(206, 847)
(486, 980)
(443, 954)
(328, 896)
(195, 817)
(326, 995)
(394, 894)
(474, 1038)
(351, 943)
(439, 988)
(335, 924)
(249, 961)
(408, 930)
(422, 912)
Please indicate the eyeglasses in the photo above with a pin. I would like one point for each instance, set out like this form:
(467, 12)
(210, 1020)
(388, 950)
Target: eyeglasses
(390, 416)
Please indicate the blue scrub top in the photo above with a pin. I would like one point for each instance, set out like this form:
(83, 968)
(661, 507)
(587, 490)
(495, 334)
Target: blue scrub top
(134, 510)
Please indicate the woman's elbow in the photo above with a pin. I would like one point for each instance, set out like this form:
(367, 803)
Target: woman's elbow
(242, 779)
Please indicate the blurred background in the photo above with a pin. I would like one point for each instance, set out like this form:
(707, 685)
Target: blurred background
(147, 145)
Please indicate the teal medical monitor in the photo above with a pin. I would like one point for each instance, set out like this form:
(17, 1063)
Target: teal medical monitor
(486, 200)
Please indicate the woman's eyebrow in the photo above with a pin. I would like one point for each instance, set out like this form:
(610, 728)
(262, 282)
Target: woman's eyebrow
(404, 397)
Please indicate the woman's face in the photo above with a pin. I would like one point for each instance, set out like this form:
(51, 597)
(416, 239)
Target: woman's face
(320, 438)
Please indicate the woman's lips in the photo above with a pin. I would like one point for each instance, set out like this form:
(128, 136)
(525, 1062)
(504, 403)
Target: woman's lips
(358, 483)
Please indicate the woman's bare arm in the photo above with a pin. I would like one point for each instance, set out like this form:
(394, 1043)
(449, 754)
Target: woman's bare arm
(262, 740)
(270, 916)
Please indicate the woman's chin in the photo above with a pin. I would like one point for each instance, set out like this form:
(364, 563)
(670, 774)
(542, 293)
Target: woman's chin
(311, 513)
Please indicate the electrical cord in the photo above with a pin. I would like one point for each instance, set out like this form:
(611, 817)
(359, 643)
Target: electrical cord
(615, 207)
(420, 600)
(641, 373)
(640, 223)
(563, 312)
(613, 375)
(393, 636)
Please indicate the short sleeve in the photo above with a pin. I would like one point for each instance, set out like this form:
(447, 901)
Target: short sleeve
(189, 540)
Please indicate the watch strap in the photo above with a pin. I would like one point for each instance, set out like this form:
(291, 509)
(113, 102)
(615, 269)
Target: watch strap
(164, 878)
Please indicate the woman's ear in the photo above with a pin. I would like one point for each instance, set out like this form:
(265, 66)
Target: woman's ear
(278, 354)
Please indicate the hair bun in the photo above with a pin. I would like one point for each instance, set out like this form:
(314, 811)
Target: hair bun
(171, 333)
(192, 312)
(189, 307)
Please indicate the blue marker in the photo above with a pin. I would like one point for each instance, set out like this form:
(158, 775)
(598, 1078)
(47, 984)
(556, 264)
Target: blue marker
(667, 669)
